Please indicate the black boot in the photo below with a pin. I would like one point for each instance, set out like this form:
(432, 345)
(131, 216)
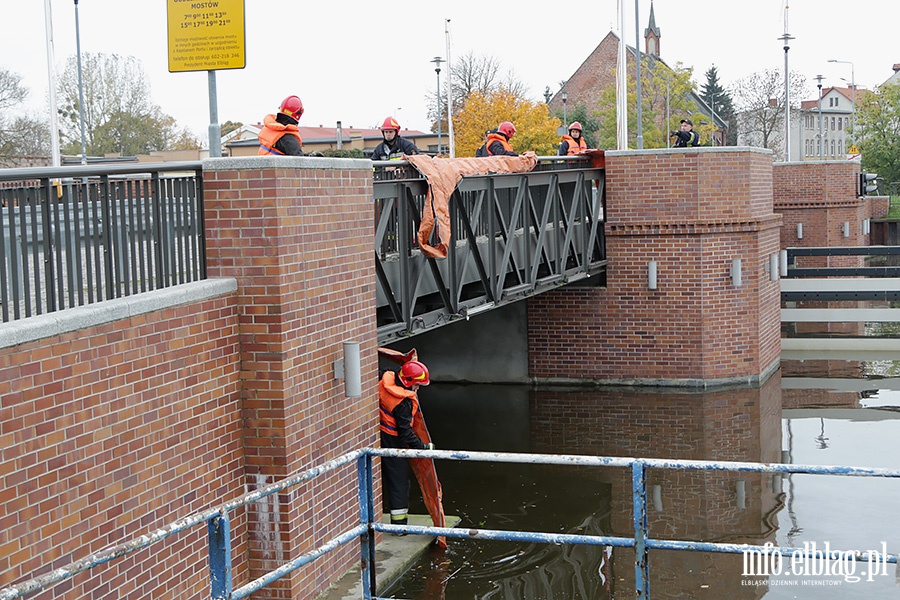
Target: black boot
(399, 521)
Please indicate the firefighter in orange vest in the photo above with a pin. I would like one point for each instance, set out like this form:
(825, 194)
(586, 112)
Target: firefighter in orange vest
(279, 135)
(399, 406)
(574, 142)
(497, 142)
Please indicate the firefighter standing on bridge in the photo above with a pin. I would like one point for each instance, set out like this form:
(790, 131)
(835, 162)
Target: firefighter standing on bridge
(280, 135)
(686, 135)
(574, 142)
(393, 147)
(497, 141)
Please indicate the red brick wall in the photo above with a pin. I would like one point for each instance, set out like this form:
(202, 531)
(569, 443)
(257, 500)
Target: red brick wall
(299, 241)
(115, 430)
(693, 213)
(596, 72)
(822, 196)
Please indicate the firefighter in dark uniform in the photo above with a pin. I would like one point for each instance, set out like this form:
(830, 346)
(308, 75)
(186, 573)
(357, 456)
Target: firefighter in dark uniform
(399, 405)
(686, 136)
(497, 142)
(393, 147)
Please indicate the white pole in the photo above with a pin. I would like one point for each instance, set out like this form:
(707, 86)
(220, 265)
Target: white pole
(449, 91)
(621, 85)
(787, 93)
(51, 76)
(637, 51)
(80, 86)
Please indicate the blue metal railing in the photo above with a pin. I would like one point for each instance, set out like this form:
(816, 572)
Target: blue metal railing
(219, 533)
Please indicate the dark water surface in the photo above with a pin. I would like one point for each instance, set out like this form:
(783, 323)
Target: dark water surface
(835, 412)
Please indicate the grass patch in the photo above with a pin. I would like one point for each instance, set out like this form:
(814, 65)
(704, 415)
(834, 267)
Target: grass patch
(894, 210)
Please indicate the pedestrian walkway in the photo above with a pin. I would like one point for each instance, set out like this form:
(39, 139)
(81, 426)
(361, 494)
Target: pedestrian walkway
(393, 556)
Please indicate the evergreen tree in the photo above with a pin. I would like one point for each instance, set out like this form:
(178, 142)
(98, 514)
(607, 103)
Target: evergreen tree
(719, 100)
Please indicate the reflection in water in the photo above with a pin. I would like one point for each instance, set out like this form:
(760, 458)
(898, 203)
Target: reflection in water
(734, 424)
(833, 412)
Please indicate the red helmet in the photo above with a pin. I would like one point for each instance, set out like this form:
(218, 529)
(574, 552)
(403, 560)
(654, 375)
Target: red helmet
(292, 107)
(576, 125)
(390, 123)
(507, 129)
(414, 372)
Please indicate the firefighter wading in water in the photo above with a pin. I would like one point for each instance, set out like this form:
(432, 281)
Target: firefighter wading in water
(399, 407)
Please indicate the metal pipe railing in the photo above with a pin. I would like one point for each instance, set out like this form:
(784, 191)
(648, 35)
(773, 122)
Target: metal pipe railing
(220, 559)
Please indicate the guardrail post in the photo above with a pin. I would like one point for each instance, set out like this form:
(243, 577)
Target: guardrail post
(220, 583)
(366, 515)
(641, 553)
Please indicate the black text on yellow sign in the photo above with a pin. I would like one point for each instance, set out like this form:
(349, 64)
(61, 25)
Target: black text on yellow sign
(205, 35)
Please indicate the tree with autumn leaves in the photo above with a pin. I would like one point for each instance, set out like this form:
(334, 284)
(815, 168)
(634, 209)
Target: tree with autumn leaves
(535, 128)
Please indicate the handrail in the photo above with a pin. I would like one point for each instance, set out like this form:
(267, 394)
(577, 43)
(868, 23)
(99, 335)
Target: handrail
(219, 532)
(74, 236)
(33, 173)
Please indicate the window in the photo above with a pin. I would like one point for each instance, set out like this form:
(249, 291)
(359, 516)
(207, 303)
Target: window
(832, 147)
(840, 146)
(840, 123)
(832, 123)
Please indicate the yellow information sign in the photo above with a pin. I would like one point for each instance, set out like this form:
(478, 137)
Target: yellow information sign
(205, 35)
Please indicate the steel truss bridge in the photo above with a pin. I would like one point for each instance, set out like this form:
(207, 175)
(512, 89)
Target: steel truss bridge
(79, 235)
(513, 235)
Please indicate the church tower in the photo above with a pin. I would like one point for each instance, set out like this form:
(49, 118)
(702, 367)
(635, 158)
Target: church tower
(651, 35)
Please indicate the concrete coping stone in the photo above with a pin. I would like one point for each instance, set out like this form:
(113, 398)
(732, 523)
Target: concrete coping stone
(286, 162)
(29, 329)
(698, 149)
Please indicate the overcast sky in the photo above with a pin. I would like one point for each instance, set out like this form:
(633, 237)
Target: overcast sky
(359, 62)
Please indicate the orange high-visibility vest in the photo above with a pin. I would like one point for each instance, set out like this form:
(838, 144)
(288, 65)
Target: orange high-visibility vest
(272, 132)
(575, 147)
(389, 396)
(497, 137)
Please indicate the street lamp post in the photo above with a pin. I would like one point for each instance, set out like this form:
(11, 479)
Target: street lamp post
(565, 96)
(437, 69)
(852, 96)
(819, 79)
(80, 87)
(787, 95)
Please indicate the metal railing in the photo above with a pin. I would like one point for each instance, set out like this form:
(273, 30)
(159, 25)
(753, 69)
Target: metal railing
(879, 282)
(512, 235)
(219, 533)
(78, 235)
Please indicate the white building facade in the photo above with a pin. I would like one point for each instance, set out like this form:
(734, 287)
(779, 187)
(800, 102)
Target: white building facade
(825, 127)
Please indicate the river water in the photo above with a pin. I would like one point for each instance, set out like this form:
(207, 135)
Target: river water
(816, 410)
